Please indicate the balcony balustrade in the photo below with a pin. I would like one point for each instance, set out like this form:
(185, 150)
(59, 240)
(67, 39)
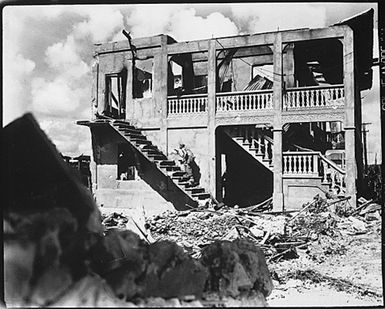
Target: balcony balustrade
(303, 98)
(314, 97)
(187, 104)
(244, 101)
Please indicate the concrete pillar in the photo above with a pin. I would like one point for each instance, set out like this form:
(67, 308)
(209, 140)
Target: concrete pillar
(211, 92)
(160, 93)
(278, 201)
(130, 112)
(349, 125)
(288, 66)
(94, 87)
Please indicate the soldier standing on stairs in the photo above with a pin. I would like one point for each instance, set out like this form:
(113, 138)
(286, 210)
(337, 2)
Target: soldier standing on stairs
(187, 159)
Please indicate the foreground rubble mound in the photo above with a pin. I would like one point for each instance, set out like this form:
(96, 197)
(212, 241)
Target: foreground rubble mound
(58, 253)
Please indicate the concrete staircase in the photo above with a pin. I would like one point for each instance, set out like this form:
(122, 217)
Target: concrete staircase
(260, 149)
(159, 160)
(302, 164)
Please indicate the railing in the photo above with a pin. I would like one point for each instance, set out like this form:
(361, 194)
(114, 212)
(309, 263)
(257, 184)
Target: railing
(300, 163)
(263, 146)
(333, 175)
(314, 164)
(187, 104)
(313, 97)
(244, 101)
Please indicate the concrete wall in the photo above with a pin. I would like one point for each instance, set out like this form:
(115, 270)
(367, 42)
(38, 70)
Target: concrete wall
(297, 191)
(132, 196)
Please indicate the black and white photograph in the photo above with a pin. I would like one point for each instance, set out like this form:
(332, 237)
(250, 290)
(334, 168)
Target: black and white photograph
(193, 154)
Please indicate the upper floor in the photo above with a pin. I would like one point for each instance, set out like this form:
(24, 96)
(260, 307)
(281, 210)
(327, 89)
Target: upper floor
(300, 75)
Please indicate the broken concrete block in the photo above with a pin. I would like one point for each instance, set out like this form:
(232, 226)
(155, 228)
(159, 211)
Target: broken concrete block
(236, 266)
(51, 216)
(172, 273)
(37, 177)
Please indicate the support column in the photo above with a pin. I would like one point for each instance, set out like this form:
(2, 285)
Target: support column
(349, 125)
(94, 87)
(278, 200)
(160, 93)
(211, 93)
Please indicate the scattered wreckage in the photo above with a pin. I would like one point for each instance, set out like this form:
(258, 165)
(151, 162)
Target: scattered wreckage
(60, 251)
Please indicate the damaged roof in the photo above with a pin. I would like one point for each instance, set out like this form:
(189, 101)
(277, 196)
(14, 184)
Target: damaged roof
(362, 26)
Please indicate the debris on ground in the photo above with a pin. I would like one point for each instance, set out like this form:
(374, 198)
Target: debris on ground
(60, 251)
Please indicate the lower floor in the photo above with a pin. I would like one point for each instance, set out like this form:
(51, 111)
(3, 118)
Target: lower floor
(240, 165)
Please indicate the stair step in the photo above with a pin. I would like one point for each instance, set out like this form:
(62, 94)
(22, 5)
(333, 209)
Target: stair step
(184, 178)
(152, 150)
(201, 196)
(124, 127)
(134, 135)
(157, 157)
(120, 122)
(169, 168)
(195, 190)
(167, 163)
(178, 173)
(140, 141)
(130, 130)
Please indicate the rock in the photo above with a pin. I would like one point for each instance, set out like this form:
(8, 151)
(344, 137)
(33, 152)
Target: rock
(172, 273)
(236, 266)
(52, 218)
(257, 232)
(357, 225)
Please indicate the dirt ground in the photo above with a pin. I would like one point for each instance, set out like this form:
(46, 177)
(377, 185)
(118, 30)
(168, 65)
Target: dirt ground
(359, 269)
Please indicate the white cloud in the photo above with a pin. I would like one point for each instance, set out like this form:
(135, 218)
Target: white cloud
(69, 138)
(54, 97)
(63, 57)
(181, 23)
(147, 20)
(214, 25)
(16, 69)
(265, 17)
(101, 22)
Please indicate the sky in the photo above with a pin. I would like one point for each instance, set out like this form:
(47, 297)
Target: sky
(48, 52)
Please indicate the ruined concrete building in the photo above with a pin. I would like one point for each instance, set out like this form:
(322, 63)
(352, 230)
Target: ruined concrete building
(274, 114)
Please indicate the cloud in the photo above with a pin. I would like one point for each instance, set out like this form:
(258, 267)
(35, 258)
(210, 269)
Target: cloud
(265, 17)
(63, 58)
(178, 22)
(54, 97)
(16, 70)
(214, 25)
(62, 133)
(101, 22)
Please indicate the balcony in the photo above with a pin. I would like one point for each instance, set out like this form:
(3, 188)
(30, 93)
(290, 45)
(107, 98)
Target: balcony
(244, 101)
(230, 103)
(306, 98)
(186, 105)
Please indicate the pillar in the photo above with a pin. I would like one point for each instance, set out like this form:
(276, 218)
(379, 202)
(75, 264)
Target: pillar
(160, 92)
(94, 87)
(349, 125)
(278, 201)
(211, 93)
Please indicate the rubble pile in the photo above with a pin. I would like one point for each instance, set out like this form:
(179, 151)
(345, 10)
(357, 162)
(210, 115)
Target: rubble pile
(319, 227)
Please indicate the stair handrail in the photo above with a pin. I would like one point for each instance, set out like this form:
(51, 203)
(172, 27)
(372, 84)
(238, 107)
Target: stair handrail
(332, 164)
(322, 157)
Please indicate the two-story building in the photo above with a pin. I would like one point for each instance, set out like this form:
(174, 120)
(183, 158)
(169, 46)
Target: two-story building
(274, 114)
